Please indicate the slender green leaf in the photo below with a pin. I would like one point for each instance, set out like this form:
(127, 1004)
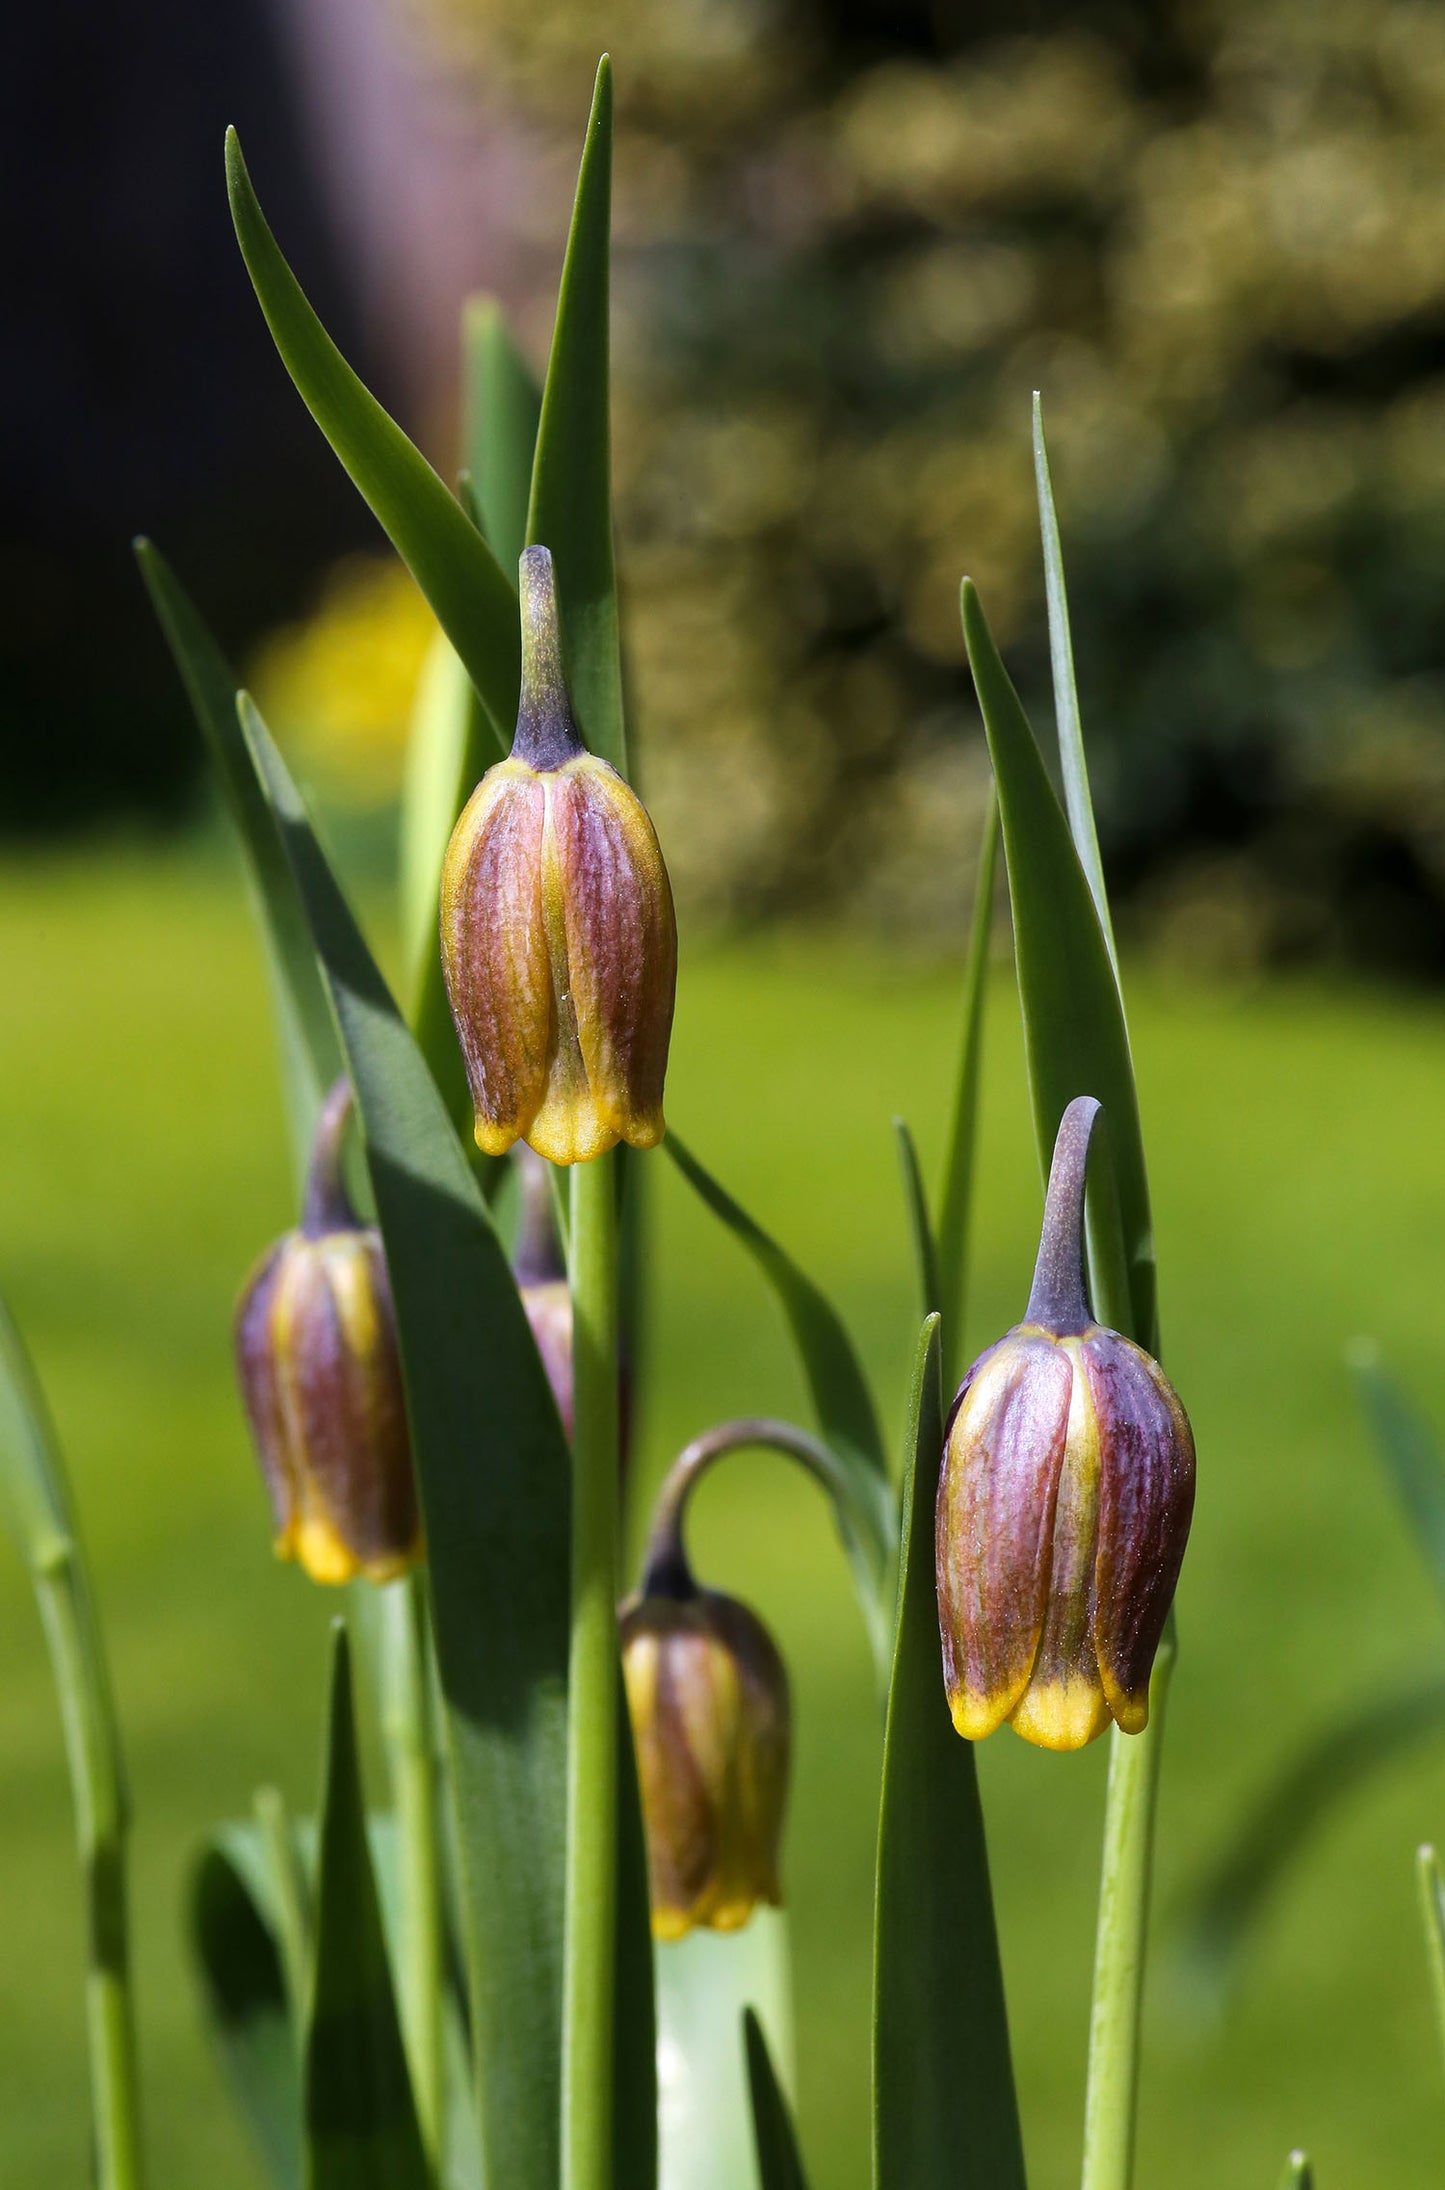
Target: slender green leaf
(780, 2163)
(840, 1398)
(920, 1230)
(289, 1894)
(1432, 1917)
(955, 1201)
(944, 2112)
(1410, 1450)
(501, 406)
(310, 1052)
(1227, 1906)
(439, 779)
(1075, 1038)
(1078, 801)
(494, 1473)
(571, 505)
(360, 2117)
(474, 600)
(453, 739)
(36, 1500)
(236, 1942)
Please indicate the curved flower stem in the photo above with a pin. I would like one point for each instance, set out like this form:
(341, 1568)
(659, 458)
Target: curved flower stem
(665, 1568)
(593, 1683)
(1111, 2105)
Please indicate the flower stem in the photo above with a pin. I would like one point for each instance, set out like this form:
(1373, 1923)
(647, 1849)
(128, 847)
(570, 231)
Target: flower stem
(1112, 2103)
(406, 1722)
(101, 1818)
(665, 1568)
(592, 1732)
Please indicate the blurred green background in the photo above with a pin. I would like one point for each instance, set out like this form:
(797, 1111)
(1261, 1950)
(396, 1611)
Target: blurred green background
(1293, 1135)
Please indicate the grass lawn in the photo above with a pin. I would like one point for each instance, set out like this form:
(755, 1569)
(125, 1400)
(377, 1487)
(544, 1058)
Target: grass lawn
(1299, 1182)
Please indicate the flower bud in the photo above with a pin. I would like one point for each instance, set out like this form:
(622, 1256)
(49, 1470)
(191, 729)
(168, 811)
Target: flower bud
(707, 1694)
(321, 1382)
(558, 939)
(1064, 1504)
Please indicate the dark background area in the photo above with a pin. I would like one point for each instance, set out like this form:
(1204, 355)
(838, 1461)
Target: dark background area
(139, 391)
(850, 240)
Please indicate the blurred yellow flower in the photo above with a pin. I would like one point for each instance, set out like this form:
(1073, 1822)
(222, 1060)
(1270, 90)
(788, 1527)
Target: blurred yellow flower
(337, 688)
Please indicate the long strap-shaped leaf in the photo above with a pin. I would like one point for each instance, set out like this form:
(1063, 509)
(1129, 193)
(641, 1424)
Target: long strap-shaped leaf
(780, 2163)
(235, 1939)
(310, 1052)
(36, 1501)
(840, 1398)
(1410, 1451)
(1074, 1034)
(453, 738)
(1078, 801)
(1230, 1901)
(474, 600)
(361, 2129)
(944, 2112)
(571, 507)
(502, 404)
(955, 1200)
(494, 1474)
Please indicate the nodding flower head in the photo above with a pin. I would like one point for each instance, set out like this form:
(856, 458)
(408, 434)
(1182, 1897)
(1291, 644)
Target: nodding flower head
(707, 1694)
(559, 943)
(1064, 1504)
(320, 1378)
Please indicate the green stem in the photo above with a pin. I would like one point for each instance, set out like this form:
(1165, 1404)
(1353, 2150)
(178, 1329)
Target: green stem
(1111, 2105)
(591, 1903)
(665, 1568)
(93, 1755)
(406, 1724)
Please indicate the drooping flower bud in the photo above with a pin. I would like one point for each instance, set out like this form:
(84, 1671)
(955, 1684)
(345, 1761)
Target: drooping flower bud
(707, 1694)
(321, 1382)
(559, 943)
(1064, 1504)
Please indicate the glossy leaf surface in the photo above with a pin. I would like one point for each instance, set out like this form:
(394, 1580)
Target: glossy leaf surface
(310, 1051)
(1075, 1038)
(944, 2112)
(571, 502)
(494, 1474)
(361, 2129)
(955, 1201)
(920, 1228)
(473, 599)
(501, 406)
(1078, 800)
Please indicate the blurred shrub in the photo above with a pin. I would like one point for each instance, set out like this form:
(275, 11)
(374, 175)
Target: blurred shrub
(852, 239)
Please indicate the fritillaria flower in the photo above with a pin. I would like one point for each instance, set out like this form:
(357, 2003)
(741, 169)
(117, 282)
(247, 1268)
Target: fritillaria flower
(320, 1378)
(559, 943)
(1064, 1504)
